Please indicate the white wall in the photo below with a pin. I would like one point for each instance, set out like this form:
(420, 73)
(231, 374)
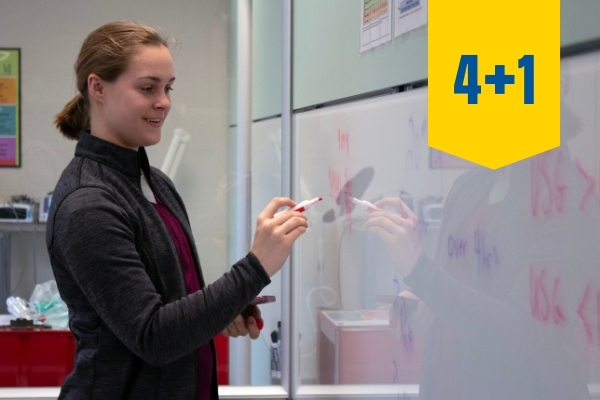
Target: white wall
(50, 34)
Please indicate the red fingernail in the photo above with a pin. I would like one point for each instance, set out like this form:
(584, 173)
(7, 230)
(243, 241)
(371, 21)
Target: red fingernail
(260, 324)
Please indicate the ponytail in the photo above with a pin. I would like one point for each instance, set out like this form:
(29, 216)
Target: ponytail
(73, 118)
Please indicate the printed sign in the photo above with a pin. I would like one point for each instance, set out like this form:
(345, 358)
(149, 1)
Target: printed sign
(10, 104)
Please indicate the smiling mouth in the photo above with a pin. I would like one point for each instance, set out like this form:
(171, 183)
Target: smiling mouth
(154, 122)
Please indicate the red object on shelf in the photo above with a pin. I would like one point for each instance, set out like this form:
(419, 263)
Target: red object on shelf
(35, 357)
(45, 357)
(222, 349)
(359, 347)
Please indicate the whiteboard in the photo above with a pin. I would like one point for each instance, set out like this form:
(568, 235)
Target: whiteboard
(509, 274)
(265, 181)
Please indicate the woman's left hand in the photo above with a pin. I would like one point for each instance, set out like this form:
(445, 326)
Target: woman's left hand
(244, 324)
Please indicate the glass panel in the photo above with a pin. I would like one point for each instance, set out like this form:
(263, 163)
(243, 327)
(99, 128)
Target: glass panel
(265, 158)
(265, 170)
(266, 184)
(454, 281)
(369, 150)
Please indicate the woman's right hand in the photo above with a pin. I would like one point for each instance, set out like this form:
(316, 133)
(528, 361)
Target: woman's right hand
(274, 236)
(399, 231)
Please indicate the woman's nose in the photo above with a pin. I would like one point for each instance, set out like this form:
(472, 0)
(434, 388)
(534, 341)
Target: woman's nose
(164, 101)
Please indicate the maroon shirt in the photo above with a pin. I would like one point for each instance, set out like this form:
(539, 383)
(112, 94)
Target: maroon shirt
(192, 281)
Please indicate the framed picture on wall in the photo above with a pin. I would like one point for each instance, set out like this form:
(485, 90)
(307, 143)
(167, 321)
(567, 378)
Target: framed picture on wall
(10, 107)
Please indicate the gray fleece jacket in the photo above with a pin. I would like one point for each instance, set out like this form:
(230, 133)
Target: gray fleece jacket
(116, 267)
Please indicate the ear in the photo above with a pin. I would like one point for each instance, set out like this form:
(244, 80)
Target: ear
(96, 88)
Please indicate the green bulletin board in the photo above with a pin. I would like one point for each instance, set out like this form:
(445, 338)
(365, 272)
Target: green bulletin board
(10, 107)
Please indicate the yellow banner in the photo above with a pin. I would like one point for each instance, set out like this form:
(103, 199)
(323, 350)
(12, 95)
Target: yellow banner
(494, 79)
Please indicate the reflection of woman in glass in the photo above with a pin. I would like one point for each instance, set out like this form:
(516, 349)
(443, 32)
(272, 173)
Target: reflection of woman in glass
(515, 255)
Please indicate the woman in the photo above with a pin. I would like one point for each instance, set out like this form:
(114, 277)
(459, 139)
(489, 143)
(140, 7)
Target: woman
(120, 242)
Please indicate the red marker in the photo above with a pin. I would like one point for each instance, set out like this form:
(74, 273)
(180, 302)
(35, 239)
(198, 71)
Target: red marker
(262, 300)
(303, 205)
(370, 207)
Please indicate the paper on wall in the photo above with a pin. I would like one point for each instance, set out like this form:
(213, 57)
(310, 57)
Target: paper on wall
(376, 23)
(409, 15)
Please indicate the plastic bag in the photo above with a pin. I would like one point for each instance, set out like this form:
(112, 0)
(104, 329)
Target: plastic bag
(19, 307)
(45, 306)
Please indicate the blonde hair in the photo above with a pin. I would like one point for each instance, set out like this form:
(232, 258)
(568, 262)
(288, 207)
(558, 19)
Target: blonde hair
(105, 52)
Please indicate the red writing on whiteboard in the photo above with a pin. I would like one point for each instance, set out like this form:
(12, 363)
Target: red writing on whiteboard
(335, 182)
(545, 297)
(586, 306)
(590, 191)
(548, 188)
(345, 197)
(343, 142)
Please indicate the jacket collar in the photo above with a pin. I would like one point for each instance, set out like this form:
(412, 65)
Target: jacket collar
(126, 161)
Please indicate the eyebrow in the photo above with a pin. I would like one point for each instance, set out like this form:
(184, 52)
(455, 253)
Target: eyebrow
(155, 79)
